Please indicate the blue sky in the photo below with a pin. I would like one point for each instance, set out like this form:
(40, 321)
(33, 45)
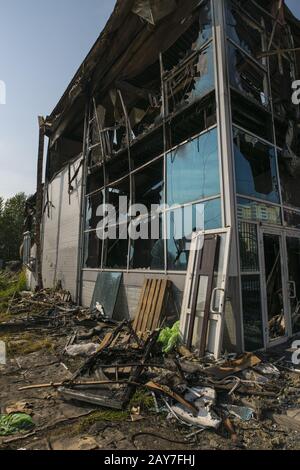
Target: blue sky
(42, 44)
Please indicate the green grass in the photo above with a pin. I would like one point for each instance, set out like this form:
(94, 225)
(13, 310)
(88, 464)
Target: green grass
(9, 288)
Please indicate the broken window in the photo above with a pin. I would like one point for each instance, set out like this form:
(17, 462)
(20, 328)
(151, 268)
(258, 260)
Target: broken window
(93, 202)
(145, 150)
(182, 222)
(118, 196)
(193, 170)
(116, 249)
(92, 250)
(95, 181)
(189, 81)
(192, 121)
(244, 114)
(282, 76)
(256, 171)
(248, 77)
(258, 212)
(148, 184)
(289, 171)
(243, 30)
(148, 250)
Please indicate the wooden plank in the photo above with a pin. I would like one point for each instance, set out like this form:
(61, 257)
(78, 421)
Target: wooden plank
(151, 320)
(137, 317)
(160, 302)
(144, 307)
(149, 308)
(151, 305)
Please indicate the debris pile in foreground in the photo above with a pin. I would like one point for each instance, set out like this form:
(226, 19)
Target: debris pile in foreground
(98, 371)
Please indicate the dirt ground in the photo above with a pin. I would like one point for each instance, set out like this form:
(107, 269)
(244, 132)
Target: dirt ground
(35, 357)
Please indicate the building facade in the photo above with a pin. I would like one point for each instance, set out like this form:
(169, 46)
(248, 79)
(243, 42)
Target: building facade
(186, 106)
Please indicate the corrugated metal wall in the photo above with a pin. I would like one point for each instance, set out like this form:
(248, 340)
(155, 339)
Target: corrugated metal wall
(61, 231)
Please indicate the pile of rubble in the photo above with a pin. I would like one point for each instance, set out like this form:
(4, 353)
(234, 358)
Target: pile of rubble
(104, 364)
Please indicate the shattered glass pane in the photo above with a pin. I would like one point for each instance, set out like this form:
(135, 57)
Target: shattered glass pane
(255, 165)
(193, 170)
(281, 84)
(190, 81)
(205, 19)
(118, 196)
(182, 222)
(92, 251)
(248, 77)
(258, 212)
(116, 250)
(243, 30)
(95, 181)
(149, 185)
(92, 204)
(149, 252)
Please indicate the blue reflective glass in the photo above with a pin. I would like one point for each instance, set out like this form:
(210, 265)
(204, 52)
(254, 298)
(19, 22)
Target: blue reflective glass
(193, 170)
(180, 225)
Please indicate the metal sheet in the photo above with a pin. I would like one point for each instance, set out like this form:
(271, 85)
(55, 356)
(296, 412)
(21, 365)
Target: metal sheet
(106, 292)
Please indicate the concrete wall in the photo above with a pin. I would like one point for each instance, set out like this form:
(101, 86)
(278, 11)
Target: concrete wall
(61, 231)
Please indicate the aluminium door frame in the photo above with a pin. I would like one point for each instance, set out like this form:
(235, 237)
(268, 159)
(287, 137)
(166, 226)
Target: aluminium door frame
(289, 233)
(280, 232)
(216, 314)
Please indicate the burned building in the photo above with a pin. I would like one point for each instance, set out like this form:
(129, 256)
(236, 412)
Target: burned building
(184, 105)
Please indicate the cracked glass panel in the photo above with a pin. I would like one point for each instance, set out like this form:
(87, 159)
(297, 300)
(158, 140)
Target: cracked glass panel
(190, 81)
(182, 222)
(248, 77)
(255, 167)
(243, 30)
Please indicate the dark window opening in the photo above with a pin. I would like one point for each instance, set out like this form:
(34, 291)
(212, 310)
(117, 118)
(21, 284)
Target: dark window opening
(245, 114)
(190, 81)
(92, 209)
(148, 253)
(92, 251)
(148, 185)
(95, 180)
(289, 171)
(248, 77)
(116, 250)
(182, 222)
(256, 172)
(191, 121)
(243, 30)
